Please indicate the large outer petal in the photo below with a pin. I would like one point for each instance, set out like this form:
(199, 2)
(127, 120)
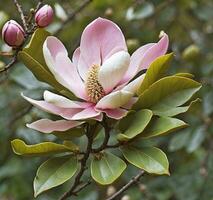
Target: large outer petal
(49, 126)
(116, 113)
(65, 72)
(66, 113)
(63, 102)
(86, 113)
(114, 100)
(113, 70)
(100, 39)
(144, 56)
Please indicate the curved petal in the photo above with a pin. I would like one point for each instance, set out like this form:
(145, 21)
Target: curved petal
(76, 56)
(86, 114)
(144, 56)
(113, 70)
(116, 113)
(131, 102)
(49, 126)
(51, 48)
(66, 70)
(114, 100)
(99, 39)
(63, 102)
(154, 52)
(135, 62)
(62, 68)
(66, 113)
(134, 85)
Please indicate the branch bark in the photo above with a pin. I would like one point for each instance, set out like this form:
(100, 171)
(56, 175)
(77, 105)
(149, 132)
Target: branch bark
(134, 180)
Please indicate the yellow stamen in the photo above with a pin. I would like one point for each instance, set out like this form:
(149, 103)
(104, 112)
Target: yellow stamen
(94, 89)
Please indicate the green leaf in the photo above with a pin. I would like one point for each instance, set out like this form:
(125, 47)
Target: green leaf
(156, 71)
(162, 125)
(133, 124)
(45, 148)
(33, 59)
(54, 172)
(69, 134)
(167, 93)
(150, 159)
(184, 74)
(106, 168)
(178, 110)
(72, 146)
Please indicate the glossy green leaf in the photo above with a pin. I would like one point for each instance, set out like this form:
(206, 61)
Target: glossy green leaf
(167, 93)
(133, 124)
(178, 110)
(156, 71)
(54, 172)
(162, 125)
(69, 134)
(106, 168)
(150, 159)
(44, 148)
(71, 145)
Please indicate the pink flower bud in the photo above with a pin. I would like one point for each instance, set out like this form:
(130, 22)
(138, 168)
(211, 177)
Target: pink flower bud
(44, 16)
(13, 33)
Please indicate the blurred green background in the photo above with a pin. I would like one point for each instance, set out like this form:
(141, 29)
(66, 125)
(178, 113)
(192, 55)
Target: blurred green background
(189, 24)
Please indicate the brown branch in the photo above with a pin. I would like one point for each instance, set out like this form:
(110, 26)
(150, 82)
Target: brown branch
(72, 15)
(127, 186)
(75, 188)
(19, 8)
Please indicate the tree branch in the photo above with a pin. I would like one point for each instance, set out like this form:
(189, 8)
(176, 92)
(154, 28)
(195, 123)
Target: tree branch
(72, 15)
(74, 189)
(127, 186)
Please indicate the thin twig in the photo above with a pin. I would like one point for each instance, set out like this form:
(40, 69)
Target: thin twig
(77, 182)
(19, 8)
(72, 15)
(127, 186)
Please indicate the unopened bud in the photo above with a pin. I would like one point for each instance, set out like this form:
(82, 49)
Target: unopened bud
(110, 191)
(125, 197)
(44, 16)
(13, 33)
(191, 52)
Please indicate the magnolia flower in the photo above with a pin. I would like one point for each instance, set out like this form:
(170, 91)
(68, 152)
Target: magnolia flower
(101, 74)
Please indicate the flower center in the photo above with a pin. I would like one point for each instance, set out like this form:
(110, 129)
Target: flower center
(93, 88)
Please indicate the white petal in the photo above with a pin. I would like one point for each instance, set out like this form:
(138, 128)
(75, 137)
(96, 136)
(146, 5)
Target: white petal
(134, 85)
(63, 101)
(113, 70)
(48, 126)
(114, 100)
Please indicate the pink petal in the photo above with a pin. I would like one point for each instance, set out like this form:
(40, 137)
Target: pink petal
(76, 56)
(144, 56)
(66, 113)
(135, 62)
(116, 113)
(63, 102)
(114, 100)
(99, 117)
(66, 69)
(49, 126)
(99, 40)
(85, 114)
(154, 52)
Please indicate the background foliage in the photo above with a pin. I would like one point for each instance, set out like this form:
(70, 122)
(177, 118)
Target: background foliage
(189, 23)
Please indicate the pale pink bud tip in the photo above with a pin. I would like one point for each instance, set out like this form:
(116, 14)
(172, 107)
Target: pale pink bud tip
(13, 33)
(44, 16)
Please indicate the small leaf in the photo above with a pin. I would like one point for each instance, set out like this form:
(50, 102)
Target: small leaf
(72, 146)
(162, 125)
(106, 168)
(133, 124)
(45, 148)
(167, 93)
(156, 71)
(150, 159)
(54, 172)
